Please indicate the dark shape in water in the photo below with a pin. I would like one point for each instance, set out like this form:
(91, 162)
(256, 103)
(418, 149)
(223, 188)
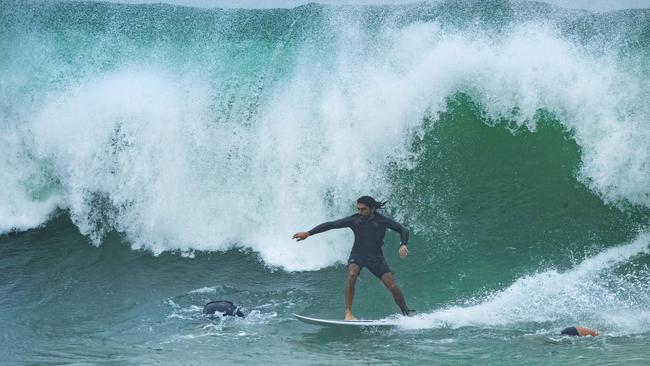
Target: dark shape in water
(579, 331)
(222, 308)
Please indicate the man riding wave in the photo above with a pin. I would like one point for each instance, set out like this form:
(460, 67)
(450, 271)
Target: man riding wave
(369, 228)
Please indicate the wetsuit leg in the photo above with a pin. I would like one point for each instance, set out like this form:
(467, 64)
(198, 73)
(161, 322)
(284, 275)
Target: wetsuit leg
(377, 265)
(570, 331)
(357, 259)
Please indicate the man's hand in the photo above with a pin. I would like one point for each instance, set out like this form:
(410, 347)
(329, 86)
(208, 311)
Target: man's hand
(301, 235)
(403, 251)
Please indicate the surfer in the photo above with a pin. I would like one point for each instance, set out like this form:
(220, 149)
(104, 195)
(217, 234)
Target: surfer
(579, 331)
(369, 228)
(221, 308)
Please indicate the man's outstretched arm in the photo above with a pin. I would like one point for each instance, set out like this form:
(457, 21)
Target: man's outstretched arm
(345, 222)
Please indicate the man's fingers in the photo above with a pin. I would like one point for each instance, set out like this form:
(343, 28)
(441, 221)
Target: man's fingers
(403, 251)
(300, 236)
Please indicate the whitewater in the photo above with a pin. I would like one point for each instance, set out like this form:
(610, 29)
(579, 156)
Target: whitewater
(154, 157)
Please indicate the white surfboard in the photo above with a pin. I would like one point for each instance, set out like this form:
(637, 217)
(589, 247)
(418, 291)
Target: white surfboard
(384, 323)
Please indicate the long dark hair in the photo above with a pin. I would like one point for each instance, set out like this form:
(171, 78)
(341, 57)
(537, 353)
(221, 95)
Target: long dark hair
(371, 202)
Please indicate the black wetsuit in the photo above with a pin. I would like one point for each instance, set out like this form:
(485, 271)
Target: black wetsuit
(570, 331)
(221, 308)
(368, 239)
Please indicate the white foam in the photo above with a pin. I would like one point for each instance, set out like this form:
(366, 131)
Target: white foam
(21, 207)
(534, 67)
(205, 290)
(588, 294)
(138, 149)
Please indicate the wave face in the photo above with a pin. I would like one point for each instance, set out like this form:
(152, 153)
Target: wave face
(188, 129)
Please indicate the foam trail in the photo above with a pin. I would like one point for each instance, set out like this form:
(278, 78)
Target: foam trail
(587, 294)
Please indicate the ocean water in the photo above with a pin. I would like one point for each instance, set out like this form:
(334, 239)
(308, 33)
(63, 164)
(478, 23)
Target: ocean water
(154, 157)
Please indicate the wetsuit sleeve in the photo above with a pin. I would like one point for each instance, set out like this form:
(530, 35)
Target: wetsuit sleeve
(402, 230)
(338, 224)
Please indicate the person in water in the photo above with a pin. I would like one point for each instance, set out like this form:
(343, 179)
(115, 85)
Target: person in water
(579, 331)
(221, 308)
(369, 228)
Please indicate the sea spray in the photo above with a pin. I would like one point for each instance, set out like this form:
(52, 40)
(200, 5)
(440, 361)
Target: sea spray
(509, 136)
(205, 134)
(591, 293)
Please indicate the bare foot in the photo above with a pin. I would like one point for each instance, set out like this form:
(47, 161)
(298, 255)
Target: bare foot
(349, 316)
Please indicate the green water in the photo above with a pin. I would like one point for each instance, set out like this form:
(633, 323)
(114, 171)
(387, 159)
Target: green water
(157, 157)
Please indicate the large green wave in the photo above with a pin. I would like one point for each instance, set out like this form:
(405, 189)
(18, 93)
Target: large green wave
(511, 137)
(518, 127)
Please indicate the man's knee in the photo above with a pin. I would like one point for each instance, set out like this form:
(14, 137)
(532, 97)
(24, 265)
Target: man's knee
(389, 281)
(353, 274)
(353, 269)
(392, 286)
